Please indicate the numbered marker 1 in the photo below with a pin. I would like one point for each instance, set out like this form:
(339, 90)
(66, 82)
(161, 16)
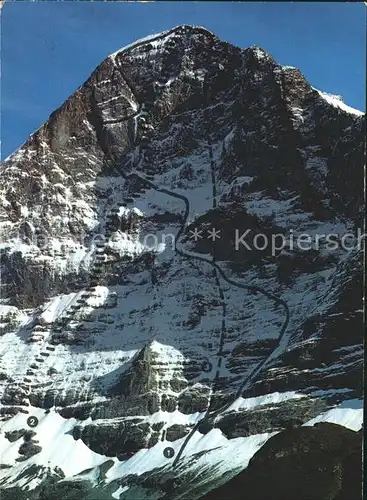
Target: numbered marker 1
(169, 452)
(32, 421)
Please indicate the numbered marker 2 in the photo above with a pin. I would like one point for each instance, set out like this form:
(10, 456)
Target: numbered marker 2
(32, 421)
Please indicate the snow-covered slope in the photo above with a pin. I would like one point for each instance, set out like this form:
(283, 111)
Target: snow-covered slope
(123, 332)
(337, 101)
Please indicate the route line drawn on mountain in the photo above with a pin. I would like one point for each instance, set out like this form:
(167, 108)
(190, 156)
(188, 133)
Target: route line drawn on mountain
(251, 288)
(98, 265)
(215, 380)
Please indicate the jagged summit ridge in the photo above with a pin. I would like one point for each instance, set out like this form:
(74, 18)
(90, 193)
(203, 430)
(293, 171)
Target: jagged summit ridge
(177, 32)
(162, 36)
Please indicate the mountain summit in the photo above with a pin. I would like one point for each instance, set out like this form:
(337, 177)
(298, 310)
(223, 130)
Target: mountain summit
(155, 331)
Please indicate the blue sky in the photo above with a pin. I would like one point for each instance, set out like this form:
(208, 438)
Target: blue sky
(50, 48)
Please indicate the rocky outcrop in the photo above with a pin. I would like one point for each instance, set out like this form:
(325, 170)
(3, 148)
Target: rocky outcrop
(309, 463)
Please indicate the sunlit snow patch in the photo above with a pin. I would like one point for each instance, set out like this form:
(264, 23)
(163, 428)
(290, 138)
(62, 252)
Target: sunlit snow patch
(349, 414)
(273, 398)
(59, 448)
(337, 102)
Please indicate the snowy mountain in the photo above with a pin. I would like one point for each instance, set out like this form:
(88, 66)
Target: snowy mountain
(146, 350)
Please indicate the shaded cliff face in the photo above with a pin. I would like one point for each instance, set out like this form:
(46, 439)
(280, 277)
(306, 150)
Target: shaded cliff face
(123, 341)
(309, 463)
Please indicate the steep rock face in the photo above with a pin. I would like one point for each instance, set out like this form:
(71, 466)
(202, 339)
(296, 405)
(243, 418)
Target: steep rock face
(106, 321)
